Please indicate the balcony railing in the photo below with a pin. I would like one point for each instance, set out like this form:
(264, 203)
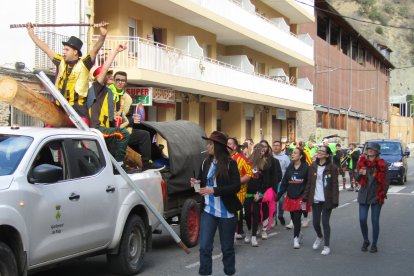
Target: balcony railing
(54, 41)
(148, 55)
(257, 23)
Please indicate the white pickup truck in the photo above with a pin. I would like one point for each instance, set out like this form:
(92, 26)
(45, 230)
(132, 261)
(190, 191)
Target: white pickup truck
(61, 198)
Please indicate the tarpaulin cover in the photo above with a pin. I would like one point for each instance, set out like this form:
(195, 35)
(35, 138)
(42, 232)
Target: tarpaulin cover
(184, 151)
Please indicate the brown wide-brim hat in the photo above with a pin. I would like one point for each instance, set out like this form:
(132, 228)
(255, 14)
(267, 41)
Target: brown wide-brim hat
(218, 137)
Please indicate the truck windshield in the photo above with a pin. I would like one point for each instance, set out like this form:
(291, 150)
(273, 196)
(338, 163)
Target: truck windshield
(12, 150)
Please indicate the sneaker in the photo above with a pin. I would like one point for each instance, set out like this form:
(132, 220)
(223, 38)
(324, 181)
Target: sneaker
(305, 222)
(326, 251)
(264, 235)
(254, 241)
(247, 238)
(264, 223)
(239, 236)
(290, 225)
(296, 244)
(373, 249)
(365, 245)
(282, 221)
(317, 243)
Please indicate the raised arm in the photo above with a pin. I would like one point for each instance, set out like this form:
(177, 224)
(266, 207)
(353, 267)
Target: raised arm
(105, 67)
(95, 49)
(43, 46)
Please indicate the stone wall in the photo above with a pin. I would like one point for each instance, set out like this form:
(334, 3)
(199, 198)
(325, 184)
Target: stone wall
(4, 114)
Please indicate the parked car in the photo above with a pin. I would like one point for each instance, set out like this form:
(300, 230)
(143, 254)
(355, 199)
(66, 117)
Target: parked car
(395, 154)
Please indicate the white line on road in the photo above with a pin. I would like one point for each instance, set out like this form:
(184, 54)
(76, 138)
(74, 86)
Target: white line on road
(355, 200)
(343, 205)
(395, 189)
(219, 255)
(412, 192)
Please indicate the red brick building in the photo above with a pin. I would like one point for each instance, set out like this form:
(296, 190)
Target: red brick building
(351, 81)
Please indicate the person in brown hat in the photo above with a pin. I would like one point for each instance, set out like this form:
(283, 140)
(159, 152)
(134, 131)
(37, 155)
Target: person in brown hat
(72, 78)
(219, 181)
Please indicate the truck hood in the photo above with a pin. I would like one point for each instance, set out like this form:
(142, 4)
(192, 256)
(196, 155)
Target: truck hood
(5, 181)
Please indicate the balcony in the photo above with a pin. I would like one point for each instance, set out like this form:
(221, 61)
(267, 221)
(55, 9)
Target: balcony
(149, 63)
(298, 12)
(234, 24)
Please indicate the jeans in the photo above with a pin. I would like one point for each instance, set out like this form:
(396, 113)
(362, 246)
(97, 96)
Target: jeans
(317, 211)
(208, 227)
(363, 217)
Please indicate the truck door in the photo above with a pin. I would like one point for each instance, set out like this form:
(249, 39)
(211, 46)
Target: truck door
(98, 192)
(55, 213)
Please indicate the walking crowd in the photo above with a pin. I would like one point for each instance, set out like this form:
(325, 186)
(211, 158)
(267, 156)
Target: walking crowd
(257, 183)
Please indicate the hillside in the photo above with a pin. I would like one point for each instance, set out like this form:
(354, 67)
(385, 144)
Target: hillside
(400, 41)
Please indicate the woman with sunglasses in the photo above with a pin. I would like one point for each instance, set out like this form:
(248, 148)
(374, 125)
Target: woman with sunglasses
(322, 193)
(293, 184)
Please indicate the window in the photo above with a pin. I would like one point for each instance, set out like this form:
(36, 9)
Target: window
(354, 50)
(322, 27)
(319, 119)
(342, 123)
(223, 106)
(345, 43)
(12, 150)
(132, 35)
(334, 35)
(88, 158)
(52, 153)
(322, 119)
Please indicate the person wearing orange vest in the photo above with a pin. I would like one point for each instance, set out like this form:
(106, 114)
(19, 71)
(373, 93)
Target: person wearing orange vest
(72, 76)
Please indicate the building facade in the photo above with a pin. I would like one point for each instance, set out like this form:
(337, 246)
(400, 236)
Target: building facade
(230, 65)
(351, 82)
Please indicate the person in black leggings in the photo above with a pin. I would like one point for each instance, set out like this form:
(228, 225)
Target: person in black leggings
(294, 183)
(322, 192)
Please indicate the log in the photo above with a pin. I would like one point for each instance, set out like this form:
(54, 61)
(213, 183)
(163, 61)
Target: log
(31, 103)
(38, 106)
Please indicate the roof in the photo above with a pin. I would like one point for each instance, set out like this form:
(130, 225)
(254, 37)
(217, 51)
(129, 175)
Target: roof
(340, 20)
(40, 133)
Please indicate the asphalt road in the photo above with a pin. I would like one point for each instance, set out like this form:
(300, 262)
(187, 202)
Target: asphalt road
(276, 255)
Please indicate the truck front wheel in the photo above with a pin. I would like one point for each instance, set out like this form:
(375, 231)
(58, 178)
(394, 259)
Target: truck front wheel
(8, 265)
(131, 253)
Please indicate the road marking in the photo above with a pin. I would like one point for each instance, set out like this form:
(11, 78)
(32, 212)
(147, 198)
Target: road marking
(355, 200)
(395, 189)
(219, 255)
(412, 192)
(343, 205)
(198, 263)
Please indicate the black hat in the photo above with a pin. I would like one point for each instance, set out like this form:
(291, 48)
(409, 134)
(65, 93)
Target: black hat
(374, 146)
(74, 43)
(218, 137)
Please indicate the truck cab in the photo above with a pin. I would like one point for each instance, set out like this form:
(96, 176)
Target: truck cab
(62, 198)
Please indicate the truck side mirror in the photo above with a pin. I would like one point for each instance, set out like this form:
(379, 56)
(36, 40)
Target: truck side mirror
(46, 173)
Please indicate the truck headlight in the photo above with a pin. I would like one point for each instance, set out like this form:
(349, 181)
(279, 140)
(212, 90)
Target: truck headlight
(397, 164)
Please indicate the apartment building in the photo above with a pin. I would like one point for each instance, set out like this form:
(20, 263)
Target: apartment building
(351, 81)
(226, 65)
(230, 65)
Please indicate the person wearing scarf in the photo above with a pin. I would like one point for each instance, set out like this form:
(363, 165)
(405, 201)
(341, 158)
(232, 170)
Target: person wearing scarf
(371, 174)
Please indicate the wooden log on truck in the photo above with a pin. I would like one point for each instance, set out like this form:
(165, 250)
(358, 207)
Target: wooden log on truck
(38, 106)
(31, 103)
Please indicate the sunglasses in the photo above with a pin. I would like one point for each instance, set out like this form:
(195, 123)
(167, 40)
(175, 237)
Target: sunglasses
(120, 80)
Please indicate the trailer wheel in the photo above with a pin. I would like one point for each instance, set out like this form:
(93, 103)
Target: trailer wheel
(132, 246)
(8, 264)
(190, 223)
